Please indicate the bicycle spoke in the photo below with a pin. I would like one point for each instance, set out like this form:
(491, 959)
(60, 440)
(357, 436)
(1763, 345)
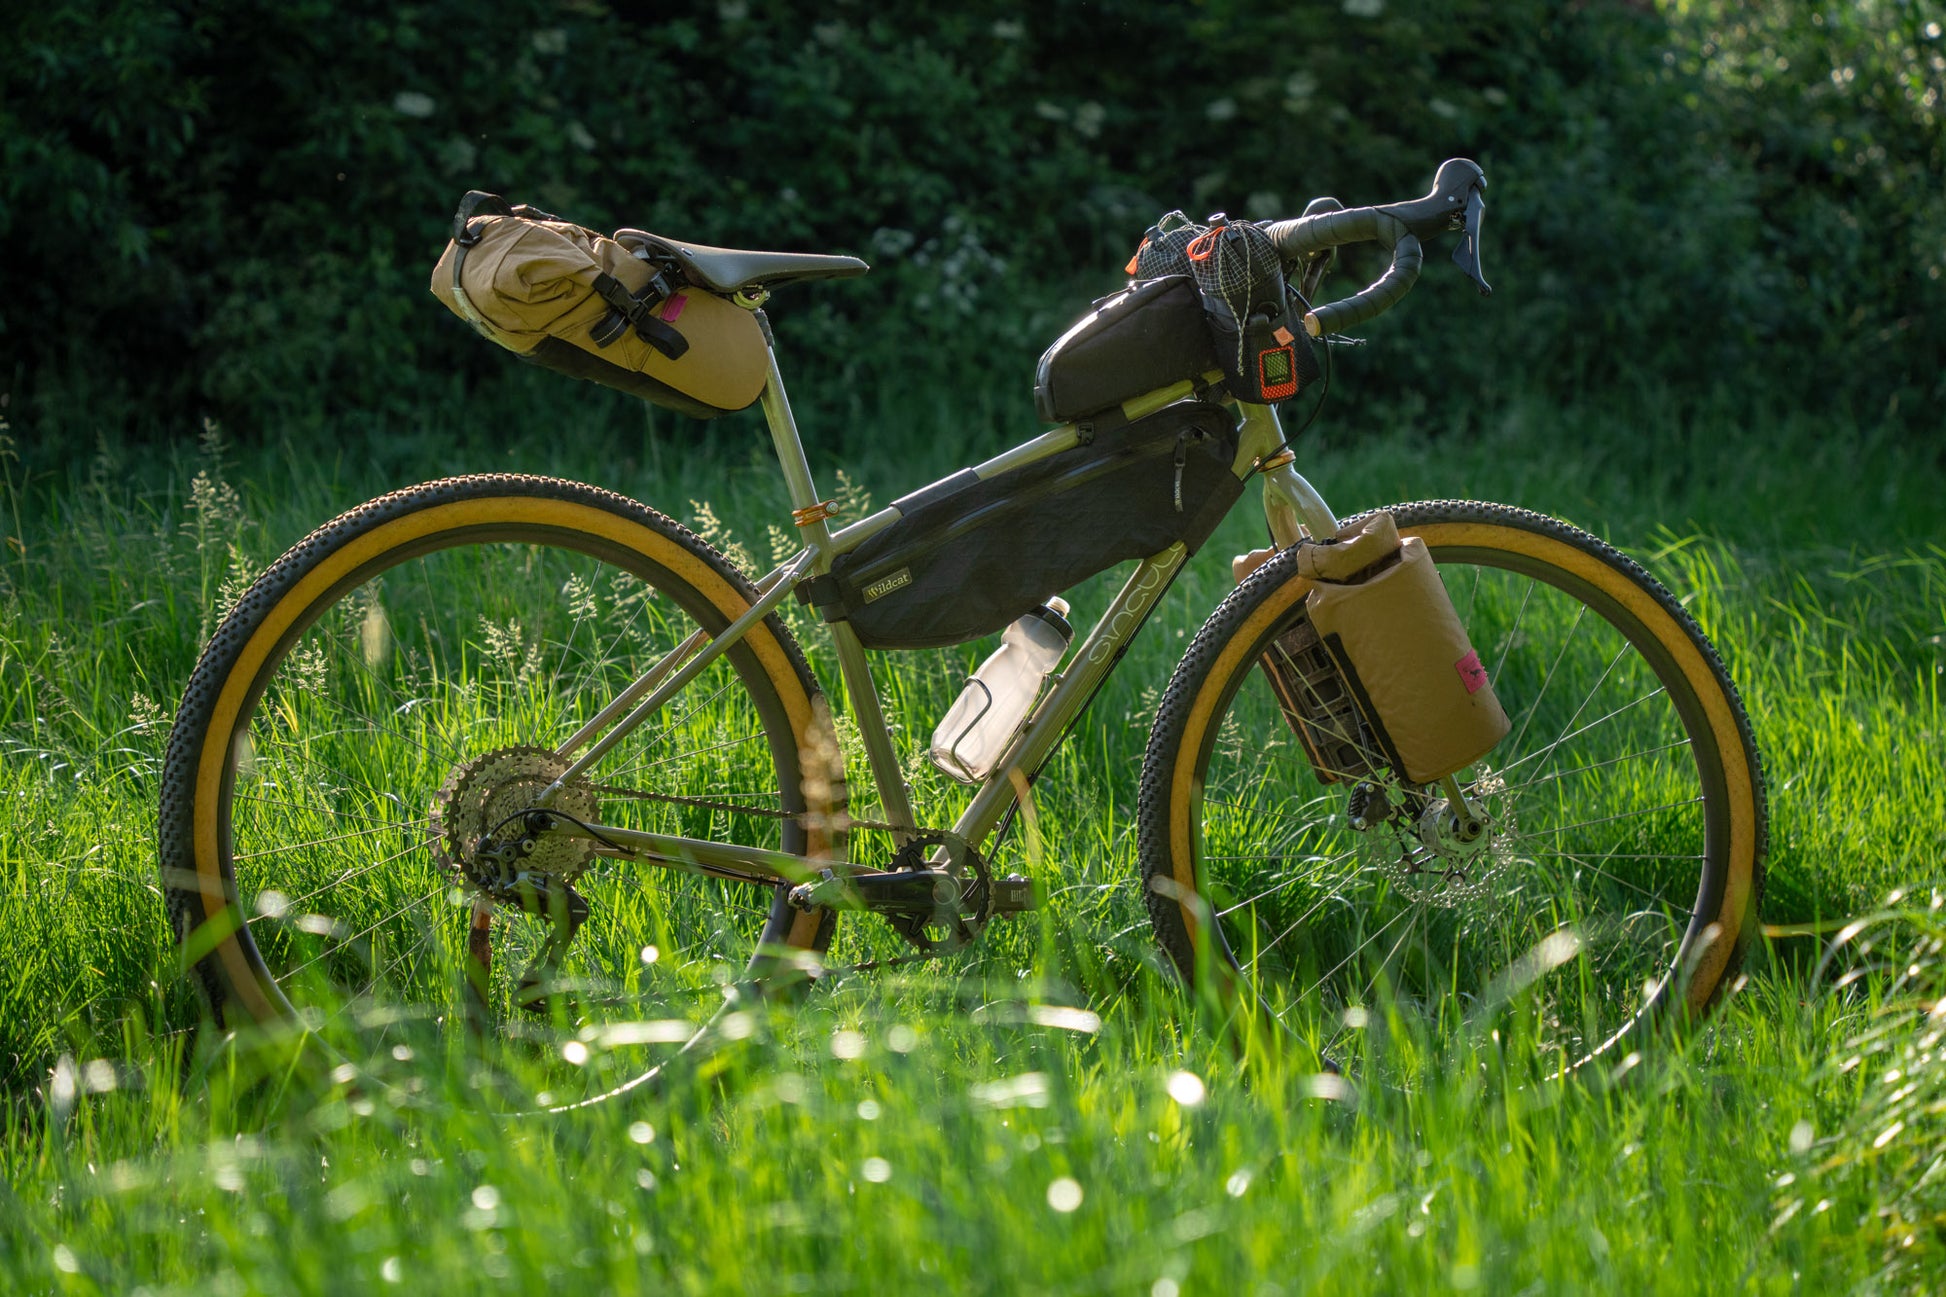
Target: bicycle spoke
(580, 687)
(296, 902)
(1592, 691)
(1598, 765)
(268, 852)
(1616, 878)
(1541, 752)
(1534, 707)
(637, 766)
(1404, 913)
(1625, 815)
(1283, 884)
(363, 932)
(334, 813)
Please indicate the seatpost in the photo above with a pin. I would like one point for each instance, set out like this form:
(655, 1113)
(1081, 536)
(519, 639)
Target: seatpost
(807, 510)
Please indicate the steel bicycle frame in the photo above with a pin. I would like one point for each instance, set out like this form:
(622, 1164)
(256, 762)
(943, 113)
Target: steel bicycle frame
(1292, 508)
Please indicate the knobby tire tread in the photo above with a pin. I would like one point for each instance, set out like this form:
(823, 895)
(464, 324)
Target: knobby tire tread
(189, 734)
(1187, 683)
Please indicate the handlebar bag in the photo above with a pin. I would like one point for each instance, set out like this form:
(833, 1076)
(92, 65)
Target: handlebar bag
(583, 304)
(1264, 353)
(971, 554)
(1405, 656)
(1149, 335)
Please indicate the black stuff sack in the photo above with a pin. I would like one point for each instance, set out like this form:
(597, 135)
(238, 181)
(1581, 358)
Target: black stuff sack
(1258, 341)
(1149, 335)
(972, 554)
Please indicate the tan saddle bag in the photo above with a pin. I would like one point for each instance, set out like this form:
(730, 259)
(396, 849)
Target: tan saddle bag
(593, 307)
(1417, 691)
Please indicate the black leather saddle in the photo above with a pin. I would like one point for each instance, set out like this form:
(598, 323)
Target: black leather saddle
(726, 270)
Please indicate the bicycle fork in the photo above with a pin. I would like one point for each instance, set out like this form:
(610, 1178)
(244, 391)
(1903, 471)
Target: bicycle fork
(1294, 510)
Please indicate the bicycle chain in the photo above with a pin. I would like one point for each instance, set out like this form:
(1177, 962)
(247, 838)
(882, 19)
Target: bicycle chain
(704, 803)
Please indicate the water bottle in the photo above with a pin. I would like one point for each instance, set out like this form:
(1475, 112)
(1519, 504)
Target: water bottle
(994, 705)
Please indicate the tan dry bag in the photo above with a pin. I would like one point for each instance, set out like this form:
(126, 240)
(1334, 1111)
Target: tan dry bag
(588, 306)
(1381, 610)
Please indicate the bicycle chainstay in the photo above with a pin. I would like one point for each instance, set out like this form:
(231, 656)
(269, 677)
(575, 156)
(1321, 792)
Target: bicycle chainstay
(992, 896)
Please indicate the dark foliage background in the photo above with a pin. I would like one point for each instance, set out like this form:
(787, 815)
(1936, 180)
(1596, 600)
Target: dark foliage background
(230, 208)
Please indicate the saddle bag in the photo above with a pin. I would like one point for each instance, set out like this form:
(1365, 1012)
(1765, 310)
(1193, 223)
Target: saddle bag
(969, 555)
(1380, 611)
(593, 307)
(1149, 335)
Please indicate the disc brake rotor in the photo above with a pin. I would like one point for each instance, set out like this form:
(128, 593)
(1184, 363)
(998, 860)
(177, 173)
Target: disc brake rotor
(1427, 863)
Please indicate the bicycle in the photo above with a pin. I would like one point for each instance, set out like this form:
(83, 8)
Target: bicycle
(373, 782)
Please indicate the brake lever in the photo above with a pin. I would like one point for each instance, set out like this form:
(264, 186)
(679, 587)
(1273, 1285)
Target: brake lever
(1466, 253)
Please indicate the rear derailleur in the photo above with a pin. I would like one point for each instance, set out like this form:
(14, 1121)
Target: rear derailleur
(939, 893)
(497, 868)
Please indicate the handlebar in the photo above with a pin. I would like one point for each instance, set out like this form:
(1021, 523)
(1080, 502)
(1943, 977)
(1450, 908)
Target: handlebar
(1455, 203)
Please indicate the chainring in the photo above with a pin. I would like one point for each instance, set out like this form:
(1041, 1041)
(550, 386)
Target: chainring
(481, 795)
(960, 925)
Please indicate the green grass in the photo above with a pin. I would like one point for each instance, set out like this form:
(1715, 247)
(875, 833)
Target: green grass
(926, 1148)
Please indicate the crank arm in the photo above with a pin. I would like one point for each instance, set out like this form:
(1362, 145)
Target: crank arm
(900, 891)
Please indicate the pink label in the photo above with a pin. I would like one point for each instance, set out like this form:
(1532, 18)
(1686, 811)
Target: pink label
(1471, 673)
(673, 307)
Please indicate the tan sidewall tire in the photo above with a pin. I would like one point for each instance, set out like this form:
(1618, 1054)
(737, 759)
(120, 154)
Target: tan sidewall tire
(197, 875)
(1225, 651)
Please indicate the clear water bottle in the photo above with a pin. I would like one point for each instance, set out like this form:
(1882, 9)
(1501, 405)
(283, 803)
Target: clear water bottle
(991, 709)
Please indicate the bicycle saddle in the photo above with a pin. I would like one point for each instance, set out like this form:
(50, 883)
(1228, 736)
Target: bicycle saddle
(725, 270)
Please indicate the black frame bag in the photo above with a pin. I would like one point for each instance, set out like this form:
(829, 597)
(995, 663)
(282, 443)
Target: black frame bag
(971, 554)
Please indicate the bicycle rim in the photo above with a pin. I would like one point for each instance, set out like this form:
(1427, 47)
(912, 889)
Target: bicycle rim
(400, 700)
(1596, 905)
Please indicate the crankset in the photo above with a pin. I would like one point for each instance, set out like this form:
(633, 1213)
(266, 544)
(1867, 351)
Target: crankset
(936, 907)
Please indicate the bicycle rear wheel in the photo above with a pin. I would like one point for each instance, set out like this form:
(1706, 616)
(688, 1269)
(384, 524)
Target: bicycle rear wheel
(1618, 884)
(395, 687)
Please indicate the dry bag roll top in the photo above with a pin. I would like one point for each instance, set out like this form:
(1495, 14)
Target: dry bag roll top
(1381, 610)
(586, 305)
(970, 554)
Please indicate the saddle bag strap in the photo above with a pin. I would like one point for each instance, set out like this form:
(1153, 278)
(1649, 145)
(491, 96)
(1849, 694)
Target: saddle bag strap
(476, 203)
(638, 311)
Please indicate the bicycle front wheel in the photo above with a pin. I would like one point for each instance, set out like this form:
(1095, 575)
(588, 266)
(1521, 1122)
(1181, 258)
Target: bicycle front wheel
(398, 686)
(1617, 884)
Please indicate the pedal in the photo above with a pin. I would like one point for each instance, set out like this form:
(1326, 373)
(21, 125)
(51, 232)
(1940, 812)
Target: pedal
(1013, 894)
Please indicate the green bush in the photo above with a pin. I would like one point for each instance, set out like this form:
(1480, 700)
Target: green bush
(233, 209)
